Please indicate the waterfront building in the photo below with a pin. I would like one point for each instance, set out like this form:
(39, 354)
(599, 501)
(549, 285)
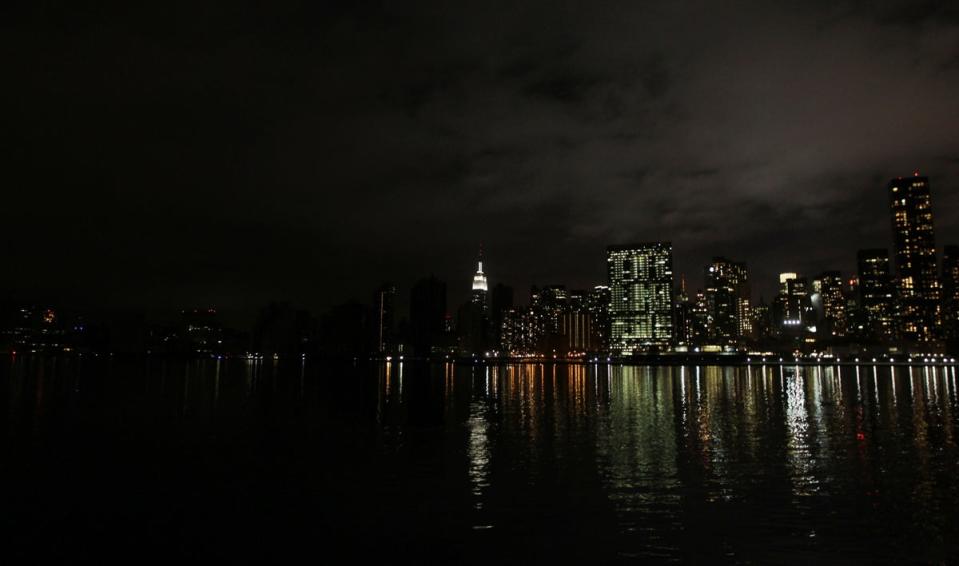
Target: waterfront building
(727, 301)
(384, 317)
(597, 303)
(829, 300)
(641, 283)
(919, 317)
(950, 292)
(877, 307)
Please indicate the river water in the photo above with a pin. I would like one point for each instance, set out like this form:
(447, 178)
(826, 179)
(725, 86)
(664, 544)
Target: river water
(157, 460)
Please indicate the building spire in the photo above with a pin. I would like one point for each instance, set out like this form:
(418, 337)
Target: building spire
(479, 280)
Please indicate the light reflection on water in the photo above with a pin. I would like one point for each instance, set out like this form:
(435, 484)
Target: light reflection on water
(598, 462)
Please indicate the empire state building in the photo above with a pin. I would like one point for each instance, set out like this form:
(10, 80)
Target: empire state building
(474, 315)
(480, 287)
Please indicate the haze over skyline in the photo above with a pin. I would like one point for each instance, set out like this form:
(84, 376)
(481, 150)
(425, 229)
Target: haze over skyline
(175, 155)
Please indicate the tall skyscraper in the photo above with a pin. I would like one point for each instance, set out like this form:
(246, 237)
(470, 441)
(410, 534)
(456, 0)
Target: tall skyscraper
(830, 301)
(792, 309)
(474, 316)
(727, 301)
(917, 281)
(876, 296)
(480, 287)
(641, 284)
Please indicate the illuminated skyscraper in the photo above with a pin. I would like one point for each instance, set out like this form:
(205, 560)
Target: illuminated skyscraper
(792, 309)
(727, 301)
(480, 288)
(474, 320)
(830, 301)
(876, 297)
(917, 281)
(641, 283)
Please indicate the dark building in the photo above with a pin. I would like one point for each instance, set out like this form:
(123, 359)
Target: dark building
(761, 322)
(344, 330)
(641, 306)
(384, 318)
(950, 293)
(547, 306)
(428, 316)
(876, 296)
(597, 302)
(282, 329)
(201, 330)
(501, 300)
(917, 280)
(727, 301)
(682, 315)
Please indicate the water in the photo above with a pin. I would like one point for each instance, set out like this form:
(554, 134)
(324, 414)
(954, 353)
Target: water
(152, 460)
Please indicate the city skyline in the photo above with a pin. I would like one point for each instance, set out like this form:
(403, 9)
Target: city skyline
(434, 282)
(898, 300)
(216, 157)
(766, 286)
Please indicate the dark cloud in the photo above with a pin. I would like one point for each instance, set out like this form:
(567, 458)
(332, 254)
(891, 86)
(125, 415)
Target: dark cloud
(187, 152)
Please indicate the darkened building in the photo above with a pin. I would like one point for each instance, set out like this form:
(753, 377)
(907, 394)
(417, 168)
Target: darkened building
(876, 296)
(682, 315)
(547, 306)
(761, 322)
(950, 292)
(384, 318)
(501, 300)
(282, 329)
(727, 301)
(344, 330)
(700, 318)
(427, 316)
(917, 280)
(597, 302)
(641, 287)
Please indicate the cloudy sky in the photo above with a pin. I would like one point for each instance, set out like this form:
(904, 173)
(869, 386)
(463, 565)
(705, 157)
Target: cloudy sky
(193, 153)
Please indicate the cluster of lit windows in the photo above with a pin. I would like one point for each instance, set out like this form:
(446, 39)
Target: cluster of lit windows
(640, 281)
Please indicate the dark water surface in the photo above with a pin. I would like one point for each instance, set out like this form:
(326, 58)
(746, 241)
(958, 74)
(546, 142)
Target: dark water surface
(234, 460)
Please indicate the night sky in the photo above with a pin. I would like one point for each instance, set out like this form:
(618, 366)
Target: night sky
(178, 154)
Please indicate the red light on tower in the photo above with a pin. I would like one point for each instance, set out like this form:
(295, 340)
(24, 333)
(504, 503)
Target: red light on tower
(915, 173)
